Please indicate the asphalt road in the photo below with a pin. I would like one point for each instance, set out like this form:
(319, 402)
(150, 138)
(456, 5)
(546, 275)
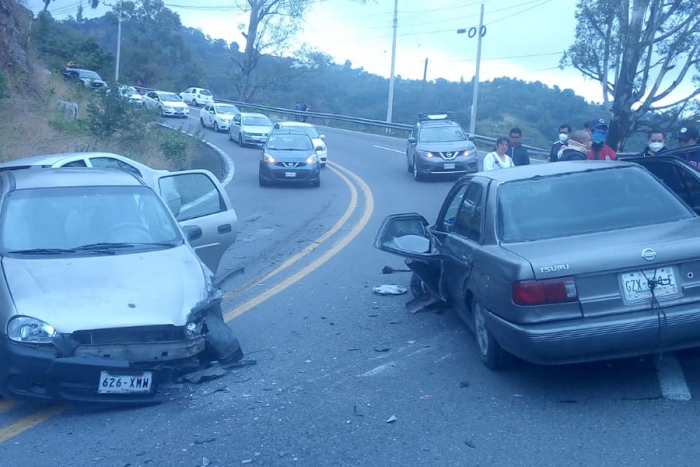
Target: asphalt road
(336, 362)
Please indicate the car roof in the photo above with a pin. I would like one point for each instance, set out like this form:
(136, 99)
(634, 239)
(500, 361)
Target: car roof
(533, 171)
(429, 123)
(70, 177)
(286, 123)
(51, 159)
(252, 114)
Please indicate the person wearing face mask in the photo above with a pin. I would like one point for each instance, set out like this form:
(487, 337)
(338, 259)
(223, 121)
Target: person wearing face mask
(577, 147)
(559, 146)
(599, 150)
(656, 144)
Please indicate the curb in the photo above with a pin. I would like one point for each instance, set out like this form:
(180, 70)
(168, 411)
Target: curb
(229, 167)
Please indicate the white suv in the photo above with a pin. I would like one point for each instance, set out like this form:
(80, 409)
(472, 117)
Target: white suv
(197, 96)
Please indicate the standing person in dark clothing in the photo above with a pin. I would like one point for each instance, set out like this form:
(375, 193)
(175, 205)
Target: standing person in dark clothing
(516, 151)
(304, 108)
(689, 136)
(297, 107)
(559, 146)
(599, 150)
(656, 144)
(577, 148)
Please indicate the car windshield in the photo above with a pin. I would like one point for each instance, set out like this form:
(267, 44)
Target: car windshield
(168, 97)
(87, 74)
(309, 130)
(442, 134)
(257, 121)
(289, 143)
(227, 109)
(570, 204)
(67, 218)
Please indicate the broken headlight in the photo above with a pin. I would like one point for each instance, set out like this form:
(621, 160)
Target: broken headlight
(193, 329)
(30, 330)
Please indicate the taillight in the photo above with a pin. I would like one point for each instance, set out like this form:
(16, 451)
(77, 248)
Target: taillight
(559, 290)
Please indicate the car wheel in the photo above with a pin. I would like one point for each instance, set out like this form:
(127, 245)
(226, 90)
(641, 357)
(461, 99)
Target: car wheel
(230, 137)
(316, 183)
(240, 140)
(491, 353)
(201, 122)
(323, 164)
(417, 176)
(195, 103)
(409, 166)
(261, 180)
(418, 288)
(216, 127)
(162, 114)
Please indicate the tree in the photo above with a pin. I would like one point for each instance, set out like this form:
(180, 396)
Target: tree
(640, 51)
(270, 24)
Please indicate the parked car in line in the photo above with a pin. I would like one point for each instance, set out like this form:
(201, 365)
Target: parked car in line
(130, 93)
(168, 104)
(197, 96)
(103, 296)
(438, 145)
(210, 247)
(289, 156)
(249, 128)
(87, 78)
(316, 137)
(217, 116)
(544, 264)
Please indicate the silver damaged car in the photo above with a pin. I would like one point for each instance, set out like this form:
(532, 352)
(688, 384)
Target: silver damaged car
(102, 296)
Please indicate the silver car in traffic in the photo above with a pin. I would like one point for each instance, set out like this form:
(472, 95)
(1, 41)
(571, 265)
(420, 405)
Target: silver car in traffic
(560, 263)
(103, 297)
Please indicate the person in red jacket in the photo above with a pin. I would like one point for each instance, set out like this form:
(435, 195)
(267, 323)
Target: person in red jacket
(599, 150)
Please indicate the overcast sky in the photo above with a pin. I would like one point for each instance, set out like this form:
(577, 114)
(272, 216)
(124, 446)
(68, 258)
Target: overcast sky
(524, 39)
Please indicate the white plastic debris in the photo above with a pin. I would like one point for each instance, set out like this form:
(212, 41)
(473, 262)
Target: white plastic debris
(389, 290)
(392, 419)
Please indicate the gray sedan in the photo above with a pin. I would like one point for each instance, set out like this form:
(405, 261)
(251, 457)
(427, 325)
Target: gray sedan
(560, 263)
(102, 296)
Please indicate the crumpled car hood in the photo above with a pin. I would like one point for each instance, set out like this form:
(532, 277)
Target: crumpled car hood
(107, 291)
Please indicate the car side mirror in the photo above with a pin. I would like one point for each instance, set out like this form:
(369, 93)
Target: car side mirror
(319, 148)
(323, 136)
(412, 140)
(192, 232)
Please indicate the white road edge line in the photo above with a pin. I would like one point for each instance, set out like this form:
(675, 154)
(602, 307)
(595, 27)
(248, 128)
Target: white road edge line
(387, 149)
(671, 378)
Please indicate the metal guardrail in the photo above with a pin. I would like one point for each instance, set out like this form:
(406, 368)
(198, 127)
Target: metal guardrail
(355, 120)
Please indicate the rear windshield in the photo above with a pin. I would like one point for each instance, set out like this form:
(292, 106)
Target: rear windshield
(205, 92)
(585, 202)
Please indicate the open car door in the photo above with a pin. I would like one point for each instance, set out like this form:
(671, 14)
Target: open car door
(409, 236)
(203, 209)
(677, 174)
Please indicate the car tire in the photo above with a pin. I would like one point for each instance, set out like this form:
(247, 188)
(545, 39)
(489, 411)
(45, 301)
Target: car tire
(162, 114)
(491, 353)
(316, 183)
(417, 176)
(216, 127)
(409, 166)
(201, 122)
(261, 181)
(240, 140)
(195, 103)
(417, 286)
(323, 165)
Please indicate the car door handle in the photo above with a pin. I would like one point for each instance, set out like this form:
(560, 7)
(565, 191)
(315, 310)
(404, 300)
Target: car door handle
(225, 228)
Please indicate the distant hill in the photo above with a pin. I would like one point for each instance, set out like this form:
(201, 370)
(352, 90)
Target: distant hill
(177, 57)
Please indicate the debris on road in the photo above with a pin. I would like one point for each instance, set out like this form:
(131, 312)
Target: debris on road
(470, 443)
(390, 270)
(426, 397)
(381, 348)
(389, 289)
(205, 461)
(213, 372)
(421, 303)
(391, 419)
(247, 461)
(464, 384)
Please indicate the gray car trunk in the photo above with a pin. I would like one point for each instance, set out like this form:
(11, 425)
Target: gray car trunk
(598, 262)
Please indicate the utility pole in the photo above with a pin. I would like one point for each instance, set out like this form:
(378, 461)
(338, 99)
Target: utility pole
(475, 97)
(119, 43)
(393, 64)
(422, 89)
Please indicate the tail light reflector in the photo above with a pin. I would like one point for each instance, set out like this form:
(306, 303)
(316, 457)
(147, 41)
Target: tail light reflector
(543, 292)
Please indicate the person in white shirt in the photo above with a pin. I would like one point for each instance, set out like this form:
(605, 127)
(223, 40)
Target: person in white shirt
(498, 159)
